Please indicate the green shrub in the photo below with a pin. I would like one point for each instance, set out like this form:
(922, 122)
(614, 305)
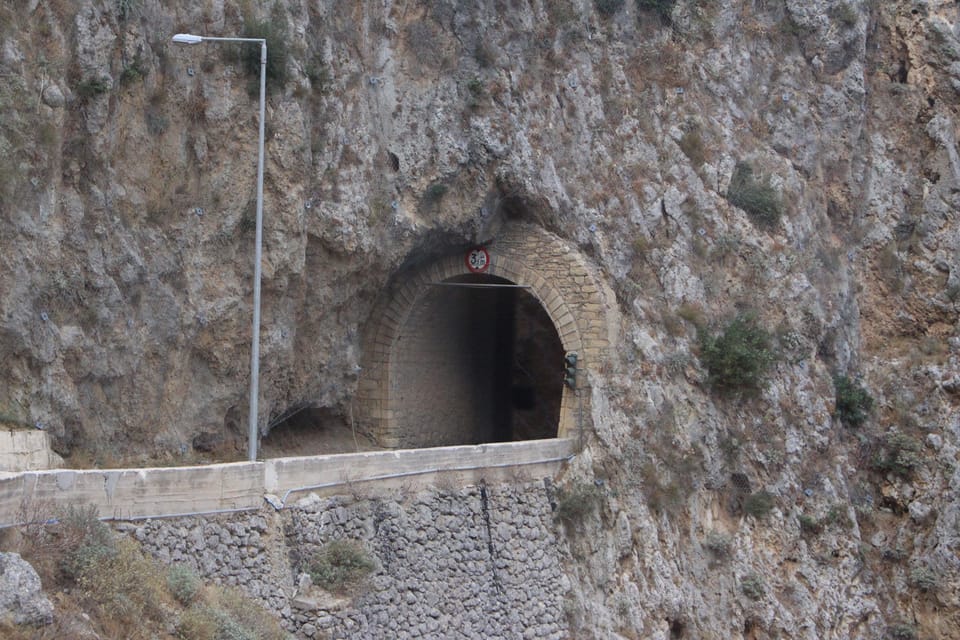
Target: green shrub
(837, 515)
(757, 198)
(925, 580)
(184, 583)
(662, 8)
(667, 487)
(92, 87)
(853, 402)
(272, 30)
(737, 359)
(844, 14)
(607, 8)
(477, 92)
(692, 313)
(752, 586)
(718, 544)
(902, 631)
(758, 504)
(899, 454)
(82, 540)
(475, 87)
(435, 193)
(128, 8)
(340, 565)
(156, 122)
(893, 554)
(198, 623)
(136, 70)
(228, 614)
(692, 146)
(809, 525)
(125, 586)
(575, 503)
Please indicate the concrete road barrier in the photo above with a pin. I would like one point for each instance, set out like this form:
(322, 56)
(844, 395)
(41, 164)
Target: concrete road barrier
(22, 450)
(130, 494)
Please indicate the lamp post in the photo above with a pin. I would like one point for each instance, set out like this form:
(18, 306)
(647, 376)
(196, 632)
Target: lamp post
(188, 38)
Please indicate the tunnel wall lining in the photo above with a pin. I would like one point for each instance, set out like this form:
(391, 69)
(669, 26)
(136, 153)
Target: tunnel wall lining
(559, 277)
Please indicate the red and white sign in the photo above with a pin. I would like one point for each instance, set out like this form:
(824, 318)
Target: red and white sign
(478, 260)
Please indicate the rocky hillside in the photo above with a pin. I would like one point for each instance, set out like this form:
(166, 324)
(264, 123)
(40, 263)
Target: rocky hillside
(770, 187)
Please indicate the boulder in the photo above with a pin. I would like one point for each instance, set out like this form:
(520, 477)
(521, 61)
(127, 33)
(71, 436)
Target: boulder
(21, 596)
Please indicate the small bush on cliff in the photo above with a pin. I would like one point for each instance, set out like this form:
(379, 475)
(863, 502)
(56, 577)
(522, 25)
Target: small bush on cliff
(575, 503)
(737, 359)
(184, 583)
(925, 580)
(607, 8)
(809, 526)
(434, 193)
(127, 9)
(752, 586)
(718, 544)
(662, 8)
(80, 541)
(756, 197)
(902, 631)
(899, 454)
(758, 504)
(227, 614)
(274, 31)
(691, 144)
(126, 587)
(340, 566)
(62, 543)
(92, 87)
(853, 402)
(845, 15)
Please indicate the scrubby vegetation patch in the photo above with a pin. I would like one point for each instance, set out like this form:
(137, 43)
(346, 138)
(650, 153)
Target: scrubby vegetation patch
(853, 402)
(340, 566)
(755, 196)
(739, 357)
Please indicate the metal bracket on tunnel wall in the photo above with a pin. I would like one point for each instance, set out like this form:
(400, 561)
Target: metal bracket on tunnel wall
(570, 370)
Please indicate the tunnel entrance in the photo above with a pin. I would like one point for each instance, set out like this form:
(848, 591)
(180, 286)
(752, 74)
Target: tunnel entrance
(477, 360)
(453, 356)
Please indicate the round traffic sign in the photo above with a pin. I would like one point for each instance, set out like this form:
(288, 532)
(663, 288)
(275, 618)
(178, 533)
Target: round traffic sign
(478, 260)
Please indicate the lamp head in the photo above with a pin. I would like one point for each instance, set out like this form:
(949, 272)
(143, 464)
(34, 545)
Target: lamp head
(187, 38)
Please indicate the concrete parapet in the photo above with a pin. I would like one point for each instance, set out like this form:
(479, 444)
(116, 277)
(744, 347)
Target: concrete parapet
(133, 493)
(415, 468)
(27, 450)
(130, 494)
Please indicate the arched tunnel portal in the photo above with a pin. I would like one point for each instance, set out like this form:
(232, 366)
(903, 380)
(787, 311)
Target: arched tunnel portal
(477, 360)
(461, 351)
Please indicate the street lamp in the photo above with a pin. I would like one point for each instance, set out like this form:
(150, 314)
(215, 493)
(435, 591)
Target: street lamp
(189, 38)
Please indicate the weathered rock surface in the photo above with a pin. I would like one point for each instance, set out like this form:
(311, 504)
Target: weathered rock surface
(126, 247)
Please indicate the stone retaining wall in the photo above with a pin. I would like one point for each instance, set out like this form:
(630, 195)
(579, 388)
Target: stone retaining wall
(479, 562)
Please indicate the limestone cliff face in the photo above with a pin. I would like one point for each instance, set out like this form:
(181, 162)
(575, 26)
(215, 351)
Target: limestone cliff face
(398, 131)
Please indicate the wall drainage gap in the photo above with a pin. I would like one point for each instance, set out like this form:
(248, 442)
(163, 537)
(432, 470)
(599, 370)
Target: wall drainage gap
(485, 508)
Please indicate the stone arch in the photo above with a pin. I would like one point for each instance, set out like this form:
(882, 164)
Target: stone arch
(555, 274)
